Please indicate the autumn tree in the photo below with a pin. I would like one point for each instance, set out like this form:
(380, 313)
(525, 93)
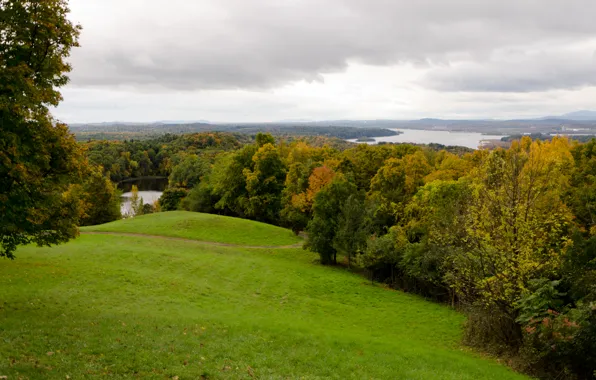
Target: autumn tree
(136, 202)
(263, 139)
(363, 162)
(295, 213)
(518, 228)
(306, 175)
(417, 167)
(229, 183)
(39, 158)
(388, 191)
(264, 184)
(448, 166)
(431, 233)
(581, 196)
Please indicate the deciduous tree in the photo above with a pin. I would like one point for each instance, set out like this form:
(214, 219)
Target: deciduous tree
(39, 158)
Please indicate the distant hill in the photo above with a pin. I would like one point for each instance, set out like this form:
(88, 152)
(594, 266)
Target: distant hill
(580, 115)
(583, 115)
(579, 122)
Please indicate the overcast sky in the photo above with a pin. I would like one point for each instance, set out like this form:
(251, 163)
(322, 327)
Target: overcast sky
(269, 60)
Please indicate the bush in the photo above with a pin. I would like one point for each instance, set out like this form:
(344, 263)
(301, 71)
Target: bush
(147, 209)
(492, 330)
(563, 345)
(171, 198)
(200, 199)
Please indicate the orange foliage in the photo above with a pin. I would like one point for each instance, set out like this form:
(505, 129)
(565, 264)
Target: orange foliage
(319, 178)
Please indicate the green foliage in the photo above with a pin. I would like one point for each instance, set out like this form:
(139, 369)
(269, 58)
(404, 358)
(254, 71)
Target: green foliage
(581, 196)
(102, 199)
(363, 162)
(161, 156)
(201, 199)
(188, 173)
(264, 184)
(327, 209)
(517, 226)
(263, 139)
(229, 182)
(171, 198)
(352, 232)
(147, 209)
(315, 135)
(539, 301)
(39, 159)
(381, 251)
(37, 38)
(388, 191)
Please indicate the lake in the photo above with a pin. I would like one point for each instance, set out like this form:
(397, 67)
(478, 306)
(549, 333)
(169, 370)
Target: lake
(150, 189)
(416, 136)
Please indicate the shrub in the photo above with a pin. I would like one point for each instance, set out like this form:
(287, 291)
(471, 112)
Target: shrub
(171, 198)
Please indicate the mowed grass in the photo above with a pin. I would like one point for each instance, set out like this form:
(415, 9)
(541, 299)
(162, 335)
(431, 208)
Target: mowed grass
(143, 307)
(205, 227)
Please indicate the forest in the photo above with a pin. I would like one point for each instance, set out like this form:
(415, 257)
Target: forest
(546, 136)
(88, 132)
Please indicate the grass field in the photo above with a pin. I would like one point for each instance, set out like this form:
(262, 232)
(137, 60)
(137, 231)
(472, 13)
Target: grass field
(131, 306)
(206, 227)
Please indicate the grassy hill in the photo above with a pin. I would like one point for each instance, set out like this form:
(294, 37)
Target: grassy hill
(205, 227)
(149, 307)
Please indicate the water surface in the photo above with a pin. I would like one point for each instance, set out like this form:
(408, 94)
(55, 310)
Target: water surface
(150, 189)
(468, 139)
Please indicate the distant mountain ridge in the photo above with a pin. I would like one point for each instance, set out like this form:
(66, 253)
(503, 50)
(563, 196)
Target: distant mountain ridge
(583, 115)
(580, 115)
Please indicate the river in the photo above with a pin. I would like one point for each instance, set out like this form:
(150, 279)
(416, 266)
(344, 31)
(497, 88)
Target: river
(416, 136)
(150, 189)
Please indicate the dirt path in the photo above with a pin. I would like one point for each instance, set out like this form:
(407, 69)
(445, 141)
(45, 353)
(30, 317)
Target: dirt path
(202, 242)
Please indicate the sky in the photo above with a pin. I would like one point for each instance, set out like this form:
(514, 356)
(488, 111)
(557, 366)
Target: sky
(274, 60)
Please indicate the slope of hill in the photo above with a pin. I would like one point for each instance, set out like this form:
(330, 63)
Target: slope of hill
(150, 307)
(205, 227)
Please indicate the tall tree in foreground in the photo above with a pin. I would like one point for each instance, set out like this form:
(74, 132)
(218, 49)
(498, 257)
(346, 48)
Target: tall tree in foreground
(39, 158)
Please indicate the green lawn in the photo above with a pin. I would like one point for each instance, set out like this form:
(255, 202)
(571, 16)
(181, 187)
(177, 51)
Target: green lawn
(126, 306)
(206, 227)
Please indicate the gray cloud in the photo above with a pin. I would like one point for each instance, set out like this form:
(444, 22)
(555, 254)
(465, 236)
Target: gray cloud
(260, 44)
(519, 72)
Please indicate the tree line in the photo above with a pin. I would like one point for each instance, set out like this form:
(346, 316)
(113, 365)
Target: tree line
(151, 131)
(127, 159)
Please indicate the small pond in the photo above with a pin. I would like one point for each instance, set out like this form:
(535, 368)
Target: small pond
(150, 189)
